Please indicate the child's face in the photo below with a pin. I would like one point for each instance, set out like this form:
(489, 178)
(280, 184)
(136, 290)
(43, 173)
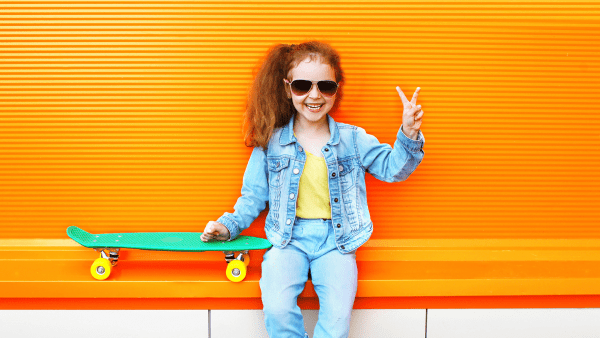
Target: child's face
(312, 70)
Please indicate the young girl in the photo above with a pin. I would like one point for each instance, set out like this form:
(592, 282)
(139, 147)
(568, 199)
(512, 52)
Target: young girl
(311, 170)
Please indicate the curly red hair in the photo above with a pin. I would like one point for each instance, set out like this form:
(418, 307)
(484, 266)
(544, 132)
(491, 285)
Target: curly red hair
(268, 106)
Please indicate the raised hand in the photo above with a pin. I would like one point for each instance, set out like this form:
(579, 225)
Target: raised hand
(412, 117)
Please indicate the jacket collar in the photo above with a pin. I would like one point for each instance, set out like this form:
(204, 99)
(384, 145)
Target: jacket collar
(287, 134)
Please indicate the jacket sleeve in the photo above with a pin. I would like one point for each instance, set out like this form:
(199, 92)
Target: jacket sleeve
(255, 195)
(386, 163)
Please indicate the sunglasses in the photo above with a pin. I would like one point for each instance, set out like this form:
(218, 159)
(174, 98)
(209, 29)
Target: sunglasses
(301, 87)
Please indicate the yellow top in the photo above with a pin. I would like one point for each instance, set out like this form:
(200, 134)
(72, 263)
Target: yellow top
(313, 191)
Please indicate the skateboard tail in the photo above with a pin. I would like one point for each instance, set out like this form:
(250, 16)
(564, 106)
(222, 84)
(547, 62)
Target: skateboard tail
(79, 235)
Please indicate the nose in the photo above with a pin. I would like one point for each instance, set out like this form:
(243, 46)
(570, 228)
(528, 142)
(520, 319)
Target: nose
(314, 92)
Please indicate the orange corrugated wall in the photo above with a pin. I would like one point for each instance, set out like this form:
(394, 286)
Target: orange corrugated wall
(126, 115)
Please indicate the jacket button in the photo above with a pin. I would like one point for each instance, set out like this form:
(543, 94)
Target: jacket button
(341, 168)
(289, 221)
(326, 149)
(335, 199)
(296, 171)
(333, 175)
(343, 247)
(299, 149)
(292, 196)
(339, 226)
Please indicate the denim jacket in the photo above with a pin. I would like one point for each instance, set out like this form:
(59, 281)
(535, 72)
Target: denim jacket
(273, 176)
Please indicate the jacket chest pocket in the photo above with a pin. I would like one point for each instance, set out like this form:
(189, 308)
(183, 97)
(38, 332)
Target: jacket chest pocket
(347, 180)
(349, 193)
(277, 172)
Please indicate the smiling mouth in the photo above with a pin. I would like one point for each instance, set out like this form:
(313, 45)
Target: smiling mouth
(314, 107)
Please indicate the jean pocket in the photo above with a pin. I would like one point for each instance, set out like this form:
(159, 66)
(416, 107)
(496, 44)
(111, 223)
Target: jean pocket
(297, 231)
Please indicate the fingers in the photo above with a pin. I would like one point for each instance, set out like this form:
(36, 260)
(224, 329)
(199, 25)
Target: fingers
(419, 115)
(415, 96)
(402, 96)
(413, 102)
(209, 233)
(207, 237)
(214, 231)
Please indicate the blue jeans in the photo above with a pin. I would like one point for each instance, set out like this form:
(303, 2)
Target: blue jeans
(285, 272)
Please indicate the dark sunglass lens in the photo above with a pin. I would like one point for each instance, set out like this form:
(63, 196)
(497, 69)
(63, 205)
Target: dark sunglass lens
(327, 87)
(301, 87)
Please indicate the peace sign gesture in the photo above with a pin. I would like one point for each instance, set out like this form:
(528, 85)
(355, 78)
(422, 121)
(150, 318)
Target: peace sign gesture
(412, 117)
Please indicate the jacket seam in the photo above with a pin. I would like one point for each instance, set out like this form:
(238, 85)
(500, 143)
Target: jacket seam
(355, 141)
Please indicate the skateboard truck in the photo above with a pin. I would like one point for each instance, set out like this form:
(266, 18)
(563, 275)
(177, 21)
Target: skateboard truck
(230, 255)
(113, 255)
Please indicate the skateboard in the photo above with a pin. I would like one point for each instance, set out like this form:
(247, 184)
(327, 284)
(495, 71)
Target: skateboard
(109, 246)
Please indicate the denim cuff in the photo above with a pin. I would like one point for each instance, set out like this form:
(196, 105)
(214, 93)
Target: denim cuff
(410, 144)
(231, 225)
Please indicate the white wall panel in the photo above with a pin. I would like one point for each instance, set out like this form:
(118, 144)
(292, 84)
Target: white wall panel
(237, 323)
(388, 324)
(513, 323)
(104, 323)
(364, 323)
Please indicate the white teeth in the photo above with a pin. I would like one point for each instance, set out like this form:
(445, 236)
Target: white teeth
(314, 107)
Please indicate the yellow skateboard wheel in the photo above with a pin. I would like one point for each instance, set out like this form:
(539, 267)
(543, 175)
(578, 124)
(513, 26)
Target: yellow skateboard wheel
(246, 259)
(236, 271)
(101, 269)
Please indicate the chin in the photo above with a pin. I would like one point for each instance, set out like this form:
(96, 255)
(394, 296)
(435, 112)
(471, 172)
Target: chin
(311, 116)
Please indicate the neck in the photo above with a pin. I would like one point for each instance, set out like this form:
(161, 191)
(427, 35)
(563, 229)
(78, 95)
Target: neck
(315, 128)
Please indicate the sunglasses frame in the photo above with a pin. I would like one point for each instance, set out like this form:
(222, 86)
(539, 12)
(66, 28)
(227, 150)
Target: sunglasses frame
(312, 85)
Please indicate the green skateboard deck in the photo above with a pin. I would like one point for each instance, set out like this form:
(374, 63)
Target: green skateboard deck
(164, 241)
(109, 246)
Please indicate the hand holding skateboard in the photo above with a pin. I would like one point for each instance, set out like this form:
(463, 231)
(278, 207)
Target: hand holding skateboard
(215, 231)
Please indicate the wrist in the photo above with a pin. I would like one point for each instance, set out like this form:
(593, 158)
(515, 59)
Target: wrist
(411, 134)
